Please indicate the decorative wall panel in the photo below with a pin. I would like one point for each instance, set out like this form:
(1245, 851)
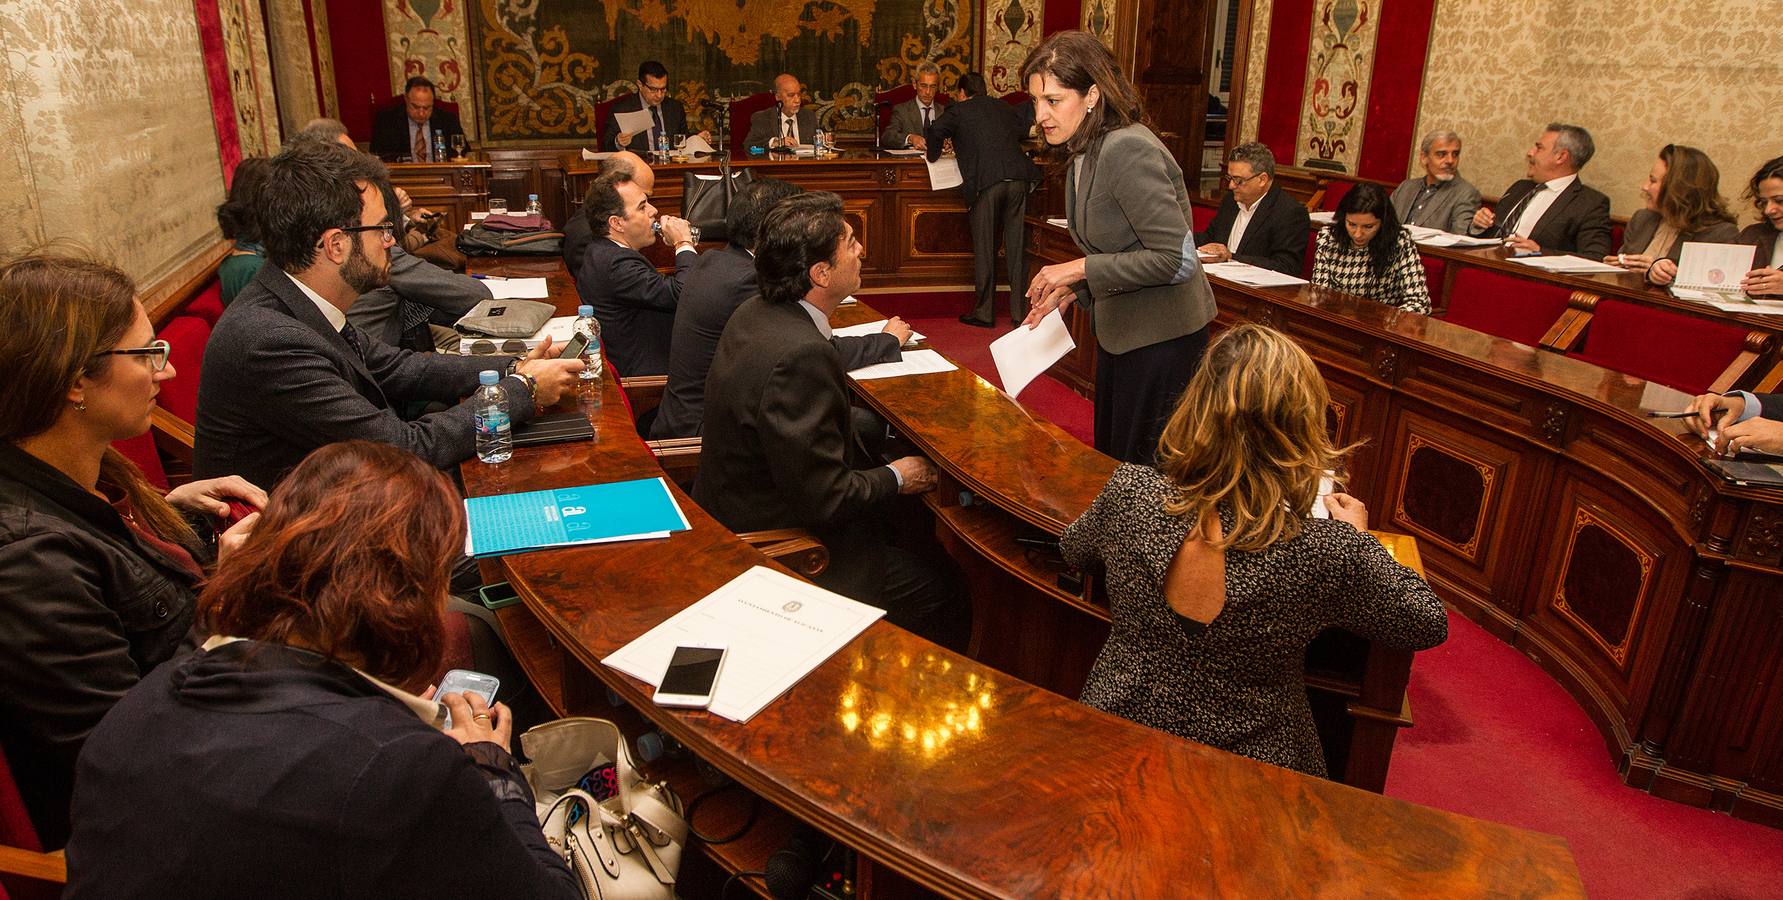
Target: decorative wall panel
(432, 38)
(250, 77)
(1256, 65)
(323, 48)
(541, 69)
(293, 67)
(106, 134)
(1099, 17)
(1339, 70)
(1011, 29)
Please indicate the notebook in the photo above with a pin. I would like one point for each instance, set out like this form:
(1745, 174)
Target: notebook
(589, 514)
(1711, 272)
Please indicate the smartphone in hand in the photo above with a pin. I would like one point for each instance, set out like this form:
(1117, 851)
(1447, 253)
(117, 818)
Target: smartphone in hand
(464, 681)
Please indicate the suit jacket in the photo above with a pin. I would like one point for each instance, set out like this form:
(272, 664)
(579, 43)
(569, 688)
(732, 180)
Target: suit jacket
(577, 235)
(1450, 207)
(717, 285)
(987, 135)
(419, 291)
(1770, 406)
(390, 131)
(674, 121)
(1274, 239)
(1764, 237)
(279, 381)
(1578, 222)
(765, 126)
(906, 121)
(1645, 222)
(634, 303)
(1128, 211)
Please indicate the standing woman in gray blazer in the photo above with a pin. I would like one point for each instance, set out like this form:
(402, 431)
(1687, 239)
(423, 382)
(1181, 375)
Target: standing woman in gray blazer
(1128, 211)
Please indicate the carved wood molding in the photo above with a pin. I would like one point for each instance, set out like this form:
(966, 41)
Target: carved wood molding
(1583, 516)
(1386, 364)
(1552, 424)
(1764, 536)
(1488, 475)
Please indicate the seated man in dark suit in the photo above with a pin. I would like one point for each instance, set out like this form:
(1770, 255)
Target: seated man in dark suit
(777, 450)
(1551, 210)
(1745, 421)
(908, 119)
(718, 284)
(577, 234)
(668, 115)
(634, 303)
(409, 130)
(1257, 223)
(996, 176)
(784, 124)
(285, 373)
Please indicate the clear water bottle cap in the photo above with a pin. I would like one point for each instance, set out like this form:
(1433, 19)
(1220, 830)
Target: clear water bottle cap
(532, 196)
(488, 376)
(584, 310)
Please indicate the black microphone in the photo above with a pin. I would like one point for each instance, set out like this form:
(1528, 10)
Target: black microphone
(793, 869)
(879, 103)
(713, 104)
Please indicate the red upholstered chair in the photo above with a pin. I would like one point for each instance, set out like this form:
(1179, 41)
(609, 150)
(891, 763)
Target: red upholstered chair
(1674, 349)
(1017, 98)
(187, 335)
(602, 110)
(1513, 308)
(26, 872)
(1204, 213)
(1334, 191)
(141, 450)
(741, 110)
(208, 305)
(893, 97)
(1433, 270)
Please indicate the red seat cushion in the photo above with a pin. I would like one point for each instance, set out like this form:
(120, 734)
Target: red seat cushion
(208, 305)
(741, 110)
(1510, 307)
(1312, 250)
(141, 450)
(179, 394)
(1433, 269)
(1204, 214)
(1334, 191)
(1674, 349)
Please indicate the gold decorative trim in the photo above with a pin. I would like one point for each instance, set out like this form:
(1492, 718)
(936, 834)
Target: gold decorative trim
(1581, 518)
(1488, 475)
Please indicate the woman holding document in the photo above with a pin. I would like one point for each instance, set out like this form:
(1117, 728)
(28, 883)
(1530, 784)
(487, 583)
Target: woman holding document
(1128, 211)
(1684, 203)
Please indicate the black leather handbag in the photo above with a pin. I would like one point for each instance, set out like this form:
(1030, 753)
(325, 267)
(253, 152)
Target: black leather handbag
(704, 202)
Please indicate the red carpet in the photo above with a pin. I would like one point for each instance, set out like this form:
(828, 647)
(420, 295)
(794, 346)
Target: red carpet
(1495, 738)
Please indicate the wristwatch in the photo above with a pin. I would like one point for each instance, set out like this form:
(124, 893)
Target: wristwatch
(532, 384)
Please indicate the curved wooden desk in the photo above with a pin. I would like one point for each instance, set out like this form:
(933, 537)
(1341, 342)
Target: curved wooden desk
(957, 776)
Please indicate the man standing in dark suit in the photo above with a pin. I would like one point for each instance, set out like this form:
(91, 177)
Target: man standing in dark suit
(1257, 223)
(910, 118)
(996, 176)
(785, 124)
(1551, 210)
(718, 284)
(408, 130)
(634, 303)
(667, 115)
(285, 373)
(777, 450)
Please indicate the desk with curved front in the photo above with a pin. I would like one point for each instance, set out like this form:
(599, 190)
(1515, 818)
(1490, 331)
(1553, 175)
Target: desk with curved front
(957, 776)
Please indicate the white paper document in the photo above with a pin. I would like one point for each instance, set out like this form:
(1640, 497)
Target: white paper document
(1327, 487)
(635, 122)
(696, 144)
(944, 173)
(517, 288)
(1566, 262)
(1716, 268)
(559, 328)
(1059, 222)
(1023, 354)
(1656, 397)
(776, 629)
(1731, 302)
(1256, 276)
(1323, 216)
(590, 155)
(915, 362)
(867, 328)
(1436, 237)
(902, 151)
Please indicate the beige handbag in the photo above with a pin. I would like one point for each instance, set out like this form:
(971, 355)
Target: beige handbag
(627, 847)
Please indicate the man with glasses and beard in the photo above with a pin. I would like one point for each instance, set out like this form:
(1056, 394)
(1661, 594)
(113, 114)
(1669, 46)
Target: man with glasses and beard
(285, 373)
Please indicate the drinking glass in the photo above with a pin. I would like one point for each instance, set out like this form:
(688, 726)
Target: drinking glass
(498, 206)
(458, 145)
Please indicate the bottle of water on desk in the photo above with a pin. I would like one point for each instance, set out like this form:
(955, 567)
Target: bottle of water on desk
(590, 327)
(495, 436)
(532, 205)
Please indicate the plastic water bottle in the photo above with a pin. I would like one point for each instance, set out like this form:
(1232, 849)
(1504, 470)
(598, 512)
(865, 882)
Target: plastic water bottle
(820, 143)
(532, 205)
(439, 147)
(495, 435)
(662, 146)
(590, 327)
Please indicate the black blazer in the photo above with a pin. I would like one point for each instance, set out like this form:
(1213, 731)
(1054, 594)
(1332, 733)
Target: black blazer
(987, 135)
(634, 303)
(1578, 222)
(1770, 406)
(764, 126)
(674, 121)
(390, 131)
(279, 381)
(717, 285)
(259, 770)
(577, 235)
(1275, 238)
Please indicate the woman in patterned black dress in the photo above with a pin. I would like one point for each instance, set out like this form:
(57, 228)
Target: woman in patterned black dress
(1213, 613)
(1365, 251)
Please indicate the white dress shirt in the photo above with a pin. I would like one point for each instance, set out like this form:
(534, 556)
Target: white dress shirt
(920, 110)
(1538, 205)
(789, 129)
(1240, 223)
(332, 313)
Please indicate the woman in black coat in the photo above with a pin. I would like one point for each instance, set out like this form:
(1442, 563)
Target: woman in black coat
(289, 756)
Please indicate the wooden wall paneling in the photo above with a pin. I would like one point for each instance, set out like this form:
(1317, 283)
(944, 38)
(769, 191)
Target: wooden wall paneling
(932, 233)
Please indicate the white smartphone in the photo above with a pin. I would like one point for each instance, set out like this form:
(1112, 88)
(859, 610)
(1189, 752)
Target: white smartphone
(464, 681)
(692, 673)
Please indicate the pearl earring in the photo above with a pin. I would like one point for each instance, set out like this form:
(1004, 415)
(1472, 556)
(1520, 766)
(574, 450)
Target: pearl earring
(81, 406)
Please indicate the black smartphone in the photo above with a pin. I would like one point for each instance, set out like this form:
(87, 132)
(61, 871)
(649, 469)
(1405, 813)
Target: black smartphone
(691, 675)
(572, 349)
(498, 595)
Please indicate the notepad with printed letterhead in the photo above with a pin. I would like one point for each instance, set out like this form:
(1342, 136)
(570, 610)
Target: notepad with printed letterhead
(590, 514)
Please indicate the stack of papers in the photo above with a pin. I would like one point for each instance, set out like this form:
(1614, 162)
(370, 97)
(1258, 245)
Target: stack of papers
(590, 514)
(590, 155)
(1059, 222)
(1323, 216)
(915, 362)
(1245, 273)
(944, 173)
(558, 328)
(516, 288)
(902, 151)
(1731, 302)
(869, 328)
(1023, 354)
(1566, 262)
(1436, 237)
(775, 629)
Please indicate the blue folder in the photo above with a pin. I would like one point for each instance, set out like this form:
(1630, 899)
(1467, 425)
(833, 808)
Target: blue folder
(593, 513)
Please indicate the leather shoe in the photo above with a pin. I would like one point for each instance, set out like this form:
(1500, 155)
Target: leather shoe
(976, 323)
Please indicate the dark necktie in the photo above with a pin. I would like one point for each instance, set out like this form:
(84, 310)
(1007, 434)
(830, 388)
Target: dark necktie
(785, 129)
(351, 336)
(656, 133)
(1511, 220)
(925, 118)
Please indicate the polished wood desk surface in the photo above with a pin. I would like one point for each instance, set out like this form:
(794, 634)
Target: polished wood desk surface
(702, 161)
(973, 783)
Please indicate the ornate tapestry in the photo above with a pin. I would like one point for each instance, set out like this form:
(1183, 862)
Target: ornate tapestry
(1255, 67)
(431, 38)
(294, 77)
(1099, 17)
(1339, 70)
(250, 77)
(1011, 29)
(542, 66)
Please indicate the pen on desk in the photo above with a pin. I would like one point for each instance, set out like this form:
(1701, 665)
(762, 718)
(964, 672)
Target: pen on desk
(1656, 414)
(490, 277)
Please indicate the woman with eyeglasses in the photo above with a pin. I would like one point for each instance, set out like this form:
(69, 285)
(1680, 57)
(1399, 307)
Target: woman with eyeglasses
(98, 569)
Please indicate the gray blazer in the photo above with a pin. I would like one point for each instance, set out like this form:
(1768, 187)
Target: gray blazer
(1644, 222)
(1128, 211)
(422, 287)
(1450, 207)
(906, 122)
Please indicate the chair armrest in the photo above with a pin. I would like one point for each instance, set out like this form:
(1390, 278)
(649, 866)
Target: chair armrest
(174, 438)
(796, 548)
(50, 867)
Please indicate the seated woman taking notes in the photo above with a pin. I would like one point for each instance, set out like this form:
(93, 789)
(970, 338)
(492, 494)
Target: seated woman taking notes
(1219, 577)
(1683, 203)
(1364, 251)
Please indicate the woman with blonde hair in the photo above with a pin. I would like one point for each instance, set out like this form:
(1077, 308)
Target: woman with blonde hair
(1219, 574)
(1683, 203)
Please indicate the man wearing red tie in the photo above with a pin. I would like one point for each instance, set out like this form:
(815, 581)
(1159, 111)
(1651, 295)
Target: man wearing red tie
(409, 130)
